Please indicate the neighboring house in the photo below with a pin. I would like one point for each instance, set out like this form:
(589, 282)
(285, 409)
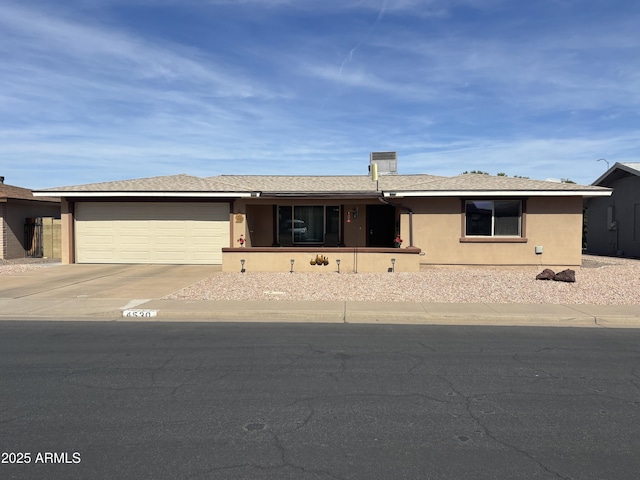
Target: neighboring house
(288, 221)
(613, 223)
(19, 208)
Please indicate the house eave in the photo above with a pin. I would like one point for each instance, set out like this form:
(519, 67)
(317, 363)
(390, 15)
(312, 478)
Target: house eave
(70, 194)
(320, 194)
(499, 193)
(614, 172)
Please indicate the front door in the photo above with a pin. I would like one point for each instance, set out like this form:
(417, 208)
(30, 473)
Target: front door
(381, 225)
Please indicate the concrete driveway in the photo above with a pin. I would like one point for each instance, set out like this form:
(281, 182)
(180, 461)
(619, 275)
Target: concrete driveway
(102, 281)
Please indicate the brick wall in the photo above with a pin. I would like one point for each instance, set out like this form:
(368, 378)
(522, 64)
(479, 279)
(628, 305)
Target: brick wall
(16, 213)
(3, 244)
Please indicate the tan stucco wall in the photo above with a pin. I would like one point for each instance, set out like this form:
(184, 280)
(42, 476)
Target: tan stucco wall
(355, 232)
(259, 228)
(67, 245)
(551, 222)
(350, 261)
(554, 223)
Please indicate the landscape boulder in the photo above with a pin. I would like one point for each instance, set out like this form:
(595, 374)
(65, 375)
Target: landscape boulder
(547, 274)
(565, 276)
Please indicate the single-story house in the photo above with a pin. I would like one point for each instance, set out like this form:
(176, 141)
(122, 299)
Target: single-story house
(308, 223)
(613, 223)
(19, 214)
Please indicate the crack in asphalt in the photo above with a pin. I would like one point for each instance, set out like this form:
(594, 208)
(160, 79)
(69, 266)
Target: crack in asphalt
(492, 436)
(154, 371)
(288, 463)
(427, 347)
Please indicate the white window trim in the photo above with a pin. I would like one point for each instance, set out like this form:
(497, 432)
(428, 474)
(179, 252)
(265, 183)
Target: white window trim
(493, 217)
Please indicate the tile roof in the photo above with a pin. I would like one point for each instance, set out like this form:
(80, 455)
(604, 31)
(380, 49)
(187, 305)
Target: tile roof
(19, 193)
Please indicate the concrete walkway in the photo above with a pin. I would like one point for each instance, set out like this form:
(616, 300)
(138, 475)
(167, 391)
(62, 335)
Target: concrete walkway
(133, 292)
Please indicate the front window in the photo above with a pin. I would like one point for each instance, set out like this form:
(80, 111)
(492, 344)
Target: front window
(307, 223)
(493, 218)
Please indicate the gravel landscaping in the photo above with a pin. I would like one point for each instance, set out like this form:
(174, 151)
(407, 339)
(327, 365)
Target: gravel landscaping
(600, 281)
(19, 265)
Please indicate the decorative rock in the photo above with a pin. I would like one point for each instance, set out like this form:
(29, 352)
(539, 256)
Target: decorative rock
(565, 276)
(547, 274)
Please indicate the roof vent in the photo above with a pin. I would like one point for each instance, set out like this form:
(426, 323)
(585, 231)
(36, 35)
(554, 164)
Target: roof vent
(1, 179)
(387, 162)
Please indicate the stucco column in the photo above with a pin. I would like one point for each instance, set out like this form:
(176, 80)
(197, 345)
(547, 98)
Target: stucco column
(67, 240)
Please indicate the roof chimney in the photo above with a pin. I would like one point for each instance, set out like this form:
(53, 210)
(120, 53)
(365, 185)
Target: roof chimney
(1, 179)
(387, 162)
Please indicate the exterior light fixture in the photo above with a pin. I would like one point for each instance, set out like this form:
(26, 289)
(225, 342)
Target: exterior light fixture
(352, 214)
(338, 262)
(292, 262)
(242, 270)
(393, 264)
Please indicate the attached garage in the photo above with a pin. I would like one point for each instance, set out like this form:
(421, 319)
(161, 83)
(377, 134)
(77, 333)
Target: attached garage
(151, 232)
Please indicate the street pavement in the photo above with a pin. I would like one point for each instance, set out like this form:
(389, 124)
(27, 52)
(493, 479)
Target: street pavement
(134, 293)
(246, 401)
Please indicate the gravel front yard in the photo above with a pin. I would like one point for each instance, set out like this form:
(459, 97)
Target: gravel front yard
(19, 265)
(600, 281)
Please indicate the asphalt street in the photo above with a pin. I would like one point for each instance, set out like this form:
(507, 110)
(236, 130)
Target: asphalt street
(92, 400)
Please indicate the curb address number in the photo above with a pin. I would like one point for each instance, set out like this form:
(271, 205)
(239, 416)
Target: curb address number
(140, 313)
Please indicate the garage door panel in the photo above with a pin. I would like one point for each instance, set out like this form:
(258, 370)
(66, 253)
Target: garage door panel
(135, 241)
(133, 256)
(170, 257)
(158, 232)
(99, 256)
(173, 232)
(99, 240)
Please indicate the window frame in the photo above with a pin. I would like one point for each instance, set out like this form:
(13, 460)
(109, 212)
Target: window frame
(493, 238)
(303, 243)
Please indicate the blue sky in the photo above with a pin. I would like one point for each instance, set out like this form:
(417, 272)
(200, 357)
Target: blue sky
(100, 90)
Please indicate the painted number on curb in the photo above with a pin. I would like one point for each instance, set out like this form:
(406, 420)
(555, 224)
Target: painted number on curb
(140, 313)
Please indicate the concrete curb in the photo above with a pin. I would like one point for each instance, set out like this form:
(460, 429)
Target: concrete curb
(391, 313)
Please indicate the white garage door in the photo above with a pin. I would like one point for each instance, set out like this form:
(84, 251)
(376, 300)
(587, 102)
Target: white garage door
(155, 232)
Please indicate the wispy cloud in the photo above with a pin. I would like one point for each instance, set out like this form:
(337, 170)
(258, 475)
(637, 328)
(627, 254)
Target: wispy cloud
(141, 87)
(532, 157)
(48, 41)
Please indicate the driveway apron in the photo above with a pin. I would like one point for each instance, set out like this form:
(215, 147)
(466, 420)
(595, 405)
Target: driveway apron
(102, 281)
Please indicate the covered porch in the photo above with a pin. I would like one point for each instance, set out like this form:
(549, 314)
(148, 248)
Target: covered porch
(318, 235)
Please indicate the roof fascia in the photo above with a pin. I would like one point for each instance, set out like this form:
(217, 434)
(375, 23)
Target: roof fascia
(320, 194)
(501, 193)
(69, 194)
